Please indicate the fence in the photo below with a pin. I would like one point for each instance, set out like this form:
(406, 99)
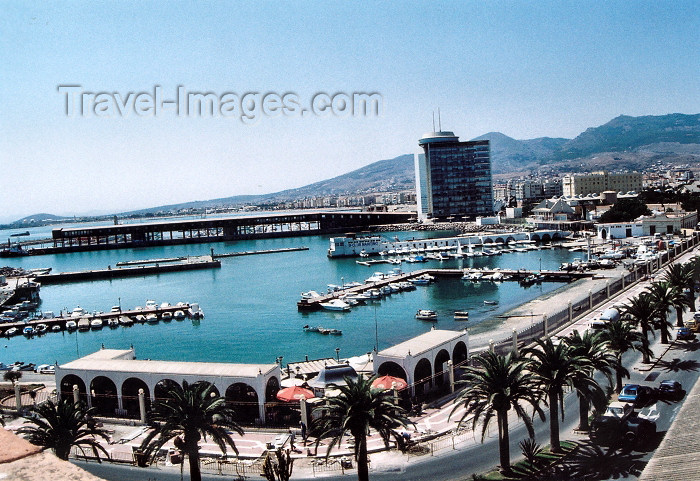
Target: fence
(595, 298)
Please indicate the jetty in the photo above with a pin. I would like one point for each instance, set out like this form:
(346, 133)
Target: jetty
(314, 303)
(264, 251)
(133, 268)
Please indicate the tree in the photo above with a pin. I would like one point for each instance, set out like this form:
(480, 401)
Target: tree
(355, 410)
(189, 413)
(554, 367)
(621, 337)
(278, 468)
(663, 297)
(594, 349)
(62, 426)
(680, 277)
(641, 311)
(496, 385)
(625, 210)
(12, 376)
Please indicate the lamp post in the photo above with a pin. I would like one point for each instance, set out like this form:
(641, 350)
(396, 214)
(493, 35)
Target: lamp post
(337, 354)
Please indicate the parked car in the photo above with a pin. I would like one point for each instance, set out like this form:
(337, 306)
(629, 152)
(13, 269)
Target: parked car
(635, 393)
(46, 369)
(685, 334)
(670, 389)
(618, 409)
(629, 431)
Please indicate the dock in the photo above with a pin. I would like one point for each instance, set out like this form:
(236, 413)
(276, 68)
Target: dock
(265, 251)
(512, 274)
(139, 268)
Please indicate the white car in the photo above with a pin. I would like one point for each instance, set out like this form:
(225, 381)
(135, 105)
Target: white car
(46, 369)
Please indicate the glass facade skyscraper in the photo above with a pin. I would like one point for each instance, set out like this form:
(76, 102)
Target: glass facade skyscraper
(453, 178)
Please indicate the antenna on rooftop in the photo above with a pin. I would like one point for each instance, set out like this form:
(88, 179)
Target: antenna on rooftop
(439, 121)
(433, 121)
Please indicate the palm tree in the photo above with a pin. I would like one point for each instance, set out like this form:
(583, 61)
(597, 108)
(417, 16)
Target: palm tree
(62, 426)
(681, 277)
(189, 413)
(594, 349)
(496, 385)
(355, 410)
(662, 296)
(554, 367)
(641, 311)
(621, 337)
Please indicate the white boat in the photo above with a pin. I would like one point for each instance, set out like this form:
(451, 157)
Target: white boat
(13, 331)
(125, 321)
(28, 331)
(195, 312)
(56, 328)
(310, 295)
(84, 324)
(335, 305)
(179, 314)
(140, 318)
(71, 325)
(374, 293)
(165, 305)
(96, 324)
(78, 312)
(490, 303)
(385, 290)
(42, 328)
(152, 318)
(461, 315)
(113, 322)
(150, 304)
(406, 286)
(395, 287)
(167, 316)
(426, 315)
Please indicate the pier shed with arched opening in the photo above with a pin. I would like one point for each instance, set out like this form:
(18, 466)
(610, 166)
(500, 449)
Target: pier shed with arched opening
(110, 381)
(422, 360)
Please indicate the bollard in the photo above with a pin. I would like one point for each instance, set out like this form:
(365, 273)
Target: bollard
(76, 394)
(142, 406)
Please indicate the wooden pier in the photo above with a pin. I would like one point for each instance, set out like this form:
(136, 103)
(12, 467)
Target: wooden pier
(511, 275)
(134, 269)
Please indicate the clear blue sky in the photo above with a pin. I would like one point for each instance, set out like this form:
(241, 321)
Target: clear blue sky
(526, 69)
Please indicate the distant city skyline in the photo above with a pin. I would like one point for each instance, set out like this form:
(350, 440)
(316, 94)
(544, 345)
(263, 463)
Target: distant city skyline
(527, 69)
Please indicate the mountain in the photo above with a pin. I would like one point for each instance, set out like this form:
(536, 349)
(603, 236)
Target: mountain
(625, 142)
(625, 133)
(39, 219)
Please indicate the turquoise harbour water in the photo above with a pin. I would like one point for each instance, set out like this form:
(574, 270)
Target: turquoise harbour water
(250, 303)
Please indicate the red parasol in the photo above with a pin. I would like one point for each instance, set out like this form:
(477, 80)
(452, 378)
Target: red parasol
(389, 382)
(294, 393)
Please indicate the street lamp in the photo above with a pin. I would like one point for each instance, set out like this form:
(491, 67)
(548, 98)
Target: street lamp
(337, 354)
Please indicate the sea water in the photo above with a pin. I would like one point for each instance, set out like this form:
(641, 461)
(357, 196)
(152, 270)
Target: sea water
(250, 302)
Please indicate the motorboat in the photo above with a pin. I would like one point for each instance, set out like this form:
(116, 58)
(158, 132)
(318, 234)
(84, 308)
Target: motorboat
(395, 287)
(28, 331)
(335, 305)
(374, 294)
(310, 295)
(13, 331)
(165, 305)
(195, 312)
(78, 312)
(96, 324)
(42, 328)
(179, 314)
(113, 322)
(125, 321)
(490, 303)
(84, 325)
(461, 315)
(152, 318)
(426, 315)
(56, 328)
(166, 316)
(385, 290)
(151, 304)
(71, 325)
(140, 318)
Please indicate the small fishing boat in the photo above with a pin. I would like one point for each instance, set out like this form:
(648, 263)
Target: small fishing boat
(42, 328)
(125, 321)
(179, 315)
(96, 324)
(84, 325)
(152, 318)
(71, 325)
(113, 322)
(28, 331)
(426, 315)
(167, 316)
(490, 303)
(335, 305)
(56, 328)
(461, 315)
(140, 318)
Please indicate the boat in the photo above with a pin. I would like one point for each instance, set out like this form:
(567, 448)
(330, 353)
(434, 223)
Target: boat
(78, 312)
(125, 321)
(96, 324)
(20, 234)
(195, 312)
(140, 318)
(28, 331)
(426, 315)
(71, 325)
(152, 318)
(167, 316)
(179, 315)
(374, 294)
(151, 304)
(335, 305)
(42, 328)
(461, 315)
(84, 325)
(56, 328)
(13, 251)
(113, 322)
(13, 331)
(308, 328)
(490, 303)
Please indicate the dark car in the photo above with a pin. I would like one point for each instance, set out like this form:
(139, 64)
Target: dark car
(635, 393)
(685, 334)
(670, 389)
(630, 431)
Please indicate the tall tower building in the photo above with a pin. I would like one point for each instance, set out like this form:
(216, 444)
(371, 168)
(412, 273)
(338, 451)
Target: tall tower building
(453, 178)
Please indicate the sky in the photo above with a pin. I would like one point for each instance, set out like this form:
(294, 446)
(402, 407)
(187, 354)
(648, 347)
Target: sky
(527, 69)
